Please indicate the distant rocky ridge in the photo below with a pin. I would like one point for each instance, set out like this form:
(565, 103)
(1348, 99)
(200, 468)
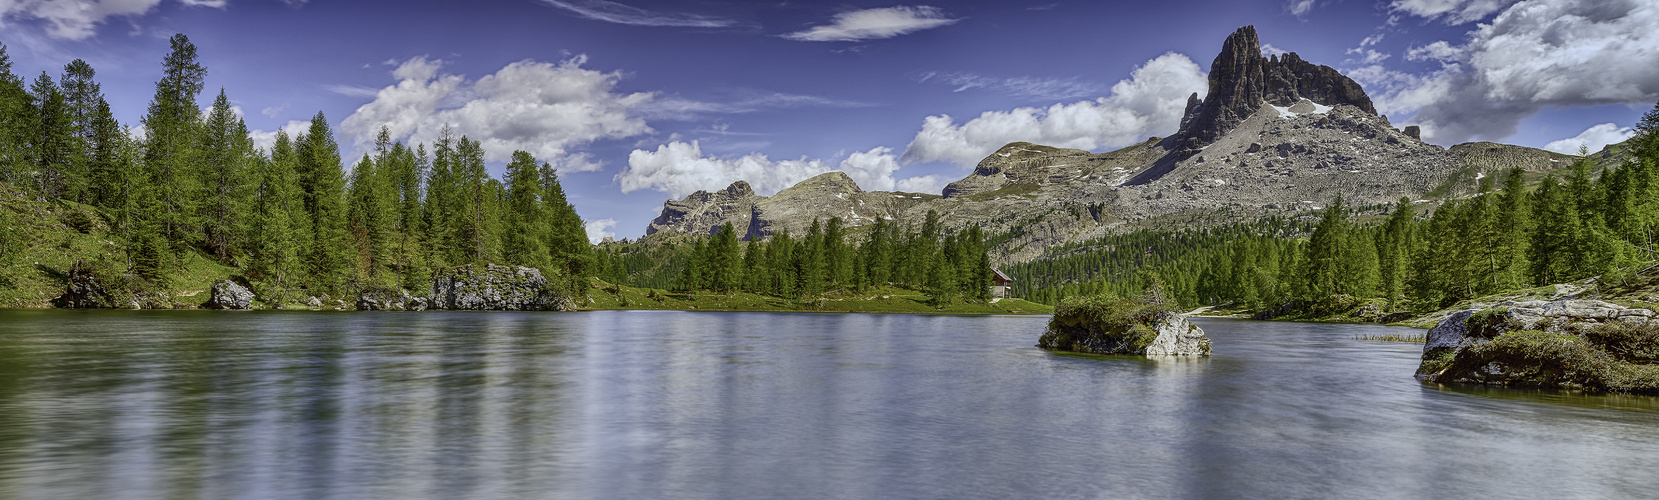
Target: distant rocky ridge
(1275, 135)
(831, 194)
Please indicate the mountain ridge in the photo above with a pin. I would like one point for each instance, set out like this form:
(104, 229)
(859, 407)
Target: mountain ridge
(1276, 135)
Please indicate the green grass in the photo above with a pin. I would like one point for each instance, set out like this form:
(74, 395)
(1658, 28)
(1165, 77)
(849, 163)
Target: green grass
(1414, 339)
(606, 296)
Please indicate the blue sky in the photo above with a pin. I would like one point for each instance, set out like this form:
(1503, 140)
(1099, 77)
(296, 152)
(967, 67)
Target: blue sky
(637, 101)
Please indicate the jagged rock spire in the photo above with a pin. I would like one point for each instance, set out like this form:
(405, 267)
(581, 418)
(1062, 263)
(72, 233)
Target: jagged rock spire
(1241, 81)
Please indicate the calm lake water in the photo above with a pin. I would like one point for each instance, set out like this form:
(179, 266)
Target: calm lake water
(125, 404)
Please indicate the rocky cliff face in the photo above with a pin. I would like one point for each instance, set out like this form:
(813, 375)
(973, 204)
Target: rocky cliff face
(703, 212)
(1241, 81)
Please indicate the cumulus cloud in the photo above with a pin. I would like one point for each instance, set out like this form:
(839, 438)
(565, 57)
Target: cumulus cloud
(1536, 53)
(1437, 51)
(1149, 102)
(542, 108)
(1023, 86)
(1593, 139)
(600, 229)
(680, 168)
(79, 19)
(1452, 12)
(612, 12)
(265, 140)
(867, 24)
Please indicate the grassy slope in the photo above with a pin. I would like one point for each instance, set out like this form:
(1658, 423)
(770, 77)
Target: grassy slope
(51, 246)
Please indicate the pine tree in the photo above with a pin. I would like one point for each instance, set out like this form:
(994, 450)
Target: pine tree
(171, 126)
(322, 181)
(1325, 252)
(440, 210)
(278, 210)
(15, 129)
(528, 226)
(810, 261)
(567, 235)
(82, 98)
(54, 143)
(224, 187)
(723, 264)
(370, 216)
(475, 216)
(1394, 251)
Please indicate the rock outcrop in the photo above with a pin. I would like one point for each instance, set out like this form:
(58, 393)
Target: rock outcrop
(1570, 344)
(703, 212)
(386, 299)
(84, 290)
(227, 294)
(490, 287)
(1110, 325)
(1241, 81)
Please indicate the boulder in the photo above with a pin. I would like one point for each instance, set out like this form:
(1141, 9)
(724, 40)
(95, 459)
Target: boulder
(84, 290)
(383, 299)
(1573, 344)
(490, 287)
(1111, 325)
(226, 294)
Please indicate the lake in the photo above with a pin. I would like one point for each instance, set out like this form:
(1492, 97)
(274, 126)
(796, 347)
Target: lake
(642, 404)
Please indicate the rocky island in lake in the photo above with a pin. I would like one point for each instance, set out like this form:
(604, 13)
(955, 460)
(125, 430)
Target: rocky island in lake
(1106, 324)
(1572, 344)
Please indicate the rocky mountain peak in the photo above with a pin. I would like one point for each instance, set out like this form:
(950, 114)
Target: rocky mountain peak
(1242, 80)
(704, 212)
(827, 183)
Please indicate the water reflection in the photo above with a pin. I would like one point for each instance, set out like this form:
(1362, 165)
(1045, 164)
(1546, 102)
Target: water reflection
(740, 405)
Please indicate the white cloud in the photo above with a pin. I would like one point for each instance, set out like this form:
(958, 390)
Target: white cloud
(867, 24)
(542, 108)
(1023, 86)
(79, 19)
(265, 140)
(1437, 51)
(352, 90)
(1269, 50)
(600, 229)
(1593, 139)
(273, 111)
(745, 101)
(1536, 53)
(1150, 102)
(680, 168)
(612, 12)
(1299, 7)
(1453, 12)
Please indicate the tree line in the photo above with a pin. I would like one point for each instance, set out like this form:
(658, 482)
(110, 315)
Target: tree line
(1572, 225)
(290, 217)
(946, 265)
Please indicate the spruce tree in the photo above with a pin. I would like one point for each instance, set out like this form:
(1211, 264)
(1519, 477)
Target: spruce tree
(224, 188)
(567, 235)
(1325, 252)
(15, 129)
(171, 126)
(1394, 251)
(322, 181)
(526, 237)
(82, 97)
(475, 216)
(278, 211)
(54, 143)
